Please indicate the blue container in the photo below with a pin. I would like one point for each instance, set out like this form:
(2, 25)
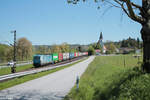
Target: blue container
(71, 55)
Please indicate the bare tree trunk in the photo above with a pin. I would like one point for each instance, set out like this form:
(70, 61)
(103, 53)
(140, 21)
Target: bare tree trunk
(145, 32)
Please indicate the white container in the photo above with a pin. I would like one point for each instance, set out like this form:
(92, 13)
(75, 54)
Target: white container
(67, 55)
(64, 56)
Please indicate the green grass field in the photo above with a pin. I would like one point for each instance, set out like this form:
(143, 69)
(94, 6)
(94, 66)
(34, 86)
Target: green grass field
(4, 71)
(107, 78)
(13, 82)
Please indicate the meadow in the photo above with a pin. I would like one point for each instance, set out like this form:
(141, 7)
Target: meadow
(112, 78)
(7, 70)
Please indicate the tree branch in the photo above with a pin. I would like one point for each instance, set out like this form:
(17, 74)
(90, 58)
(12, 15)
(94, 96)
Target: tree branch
(112, 4)
(132, 14)
(136, 6)
(122, 6)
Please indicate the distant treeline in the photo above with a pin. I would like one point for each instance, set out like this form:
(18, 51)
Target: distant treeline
(55, 48)
(129, 43)
(25, 49)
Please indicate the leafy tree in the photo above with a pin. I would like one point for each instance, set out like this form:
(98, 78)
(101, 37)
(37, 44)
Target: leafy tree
(64, 47)
(79, 48)
(6, 53)
(110, 48)
(56, 49)
(9, 53)
(131, 43)
(24, 49)
(91, 50)
(42, 49)
(139, 13)
(97, 46)
(73, 50)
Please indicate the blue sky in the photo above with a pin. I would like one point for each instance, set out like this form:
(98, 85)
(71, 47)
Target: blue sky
(48, 22)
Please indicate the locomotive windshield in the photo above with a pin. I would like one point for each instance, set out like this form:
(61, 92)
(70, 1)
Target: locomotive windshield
(36, 57)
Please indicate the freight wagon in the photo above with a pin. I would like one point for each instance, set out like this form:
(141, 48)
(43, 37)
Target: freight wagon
(71, 55)
(55, 57)
(65, 56)
(60, 56)
(75, 54)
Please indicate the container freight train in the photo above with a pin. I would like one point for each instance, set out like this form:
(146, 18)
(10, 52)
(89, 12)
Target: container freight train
(40, 60)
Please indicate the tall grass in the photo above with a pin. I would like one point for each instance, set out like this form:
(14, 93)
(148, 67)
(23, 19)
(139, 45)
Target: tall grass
(108, 79)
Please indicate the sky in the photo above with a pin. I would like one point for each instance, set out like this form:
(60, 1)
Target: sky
(48, 22)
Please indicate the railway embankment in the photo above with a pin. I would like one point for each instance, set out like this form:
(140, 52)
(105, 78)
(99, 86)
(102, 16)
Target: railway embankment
(7, 70)
(112, 78)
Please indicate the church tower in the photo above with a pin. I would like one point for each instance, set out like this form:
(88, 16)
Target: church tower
(100, 42)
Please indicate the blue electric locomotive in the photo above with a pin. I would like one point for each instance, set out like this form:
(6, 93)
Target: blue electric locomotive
(40, 60)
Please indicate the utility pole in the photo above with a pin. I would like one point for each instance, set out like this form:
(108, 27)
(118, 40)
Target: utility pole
(13, 68)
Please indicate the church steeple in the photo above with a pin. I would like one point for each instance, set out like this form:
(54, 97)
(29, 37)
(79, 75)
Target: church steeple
(101, 36)
(100, 42)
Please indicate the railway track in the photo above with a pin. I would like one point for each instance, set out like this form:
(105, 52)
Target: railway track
(37, 70)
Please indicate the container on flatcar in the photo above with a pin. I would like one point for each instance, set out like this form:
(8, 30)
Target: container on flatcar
(71, 55)
(60, 56)
(86, 53)
(49, 57)
(80, 54)
(67, 55)
(55, 57)
(75, 54)
(64, 56)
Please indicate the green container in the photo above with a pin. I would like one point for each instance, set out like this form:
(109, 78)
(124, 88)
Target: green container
(55, 57)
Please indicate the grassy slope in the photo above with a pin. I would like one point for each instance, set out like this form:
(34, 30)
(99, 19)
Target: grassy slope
(10, 83)
(107, 79)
